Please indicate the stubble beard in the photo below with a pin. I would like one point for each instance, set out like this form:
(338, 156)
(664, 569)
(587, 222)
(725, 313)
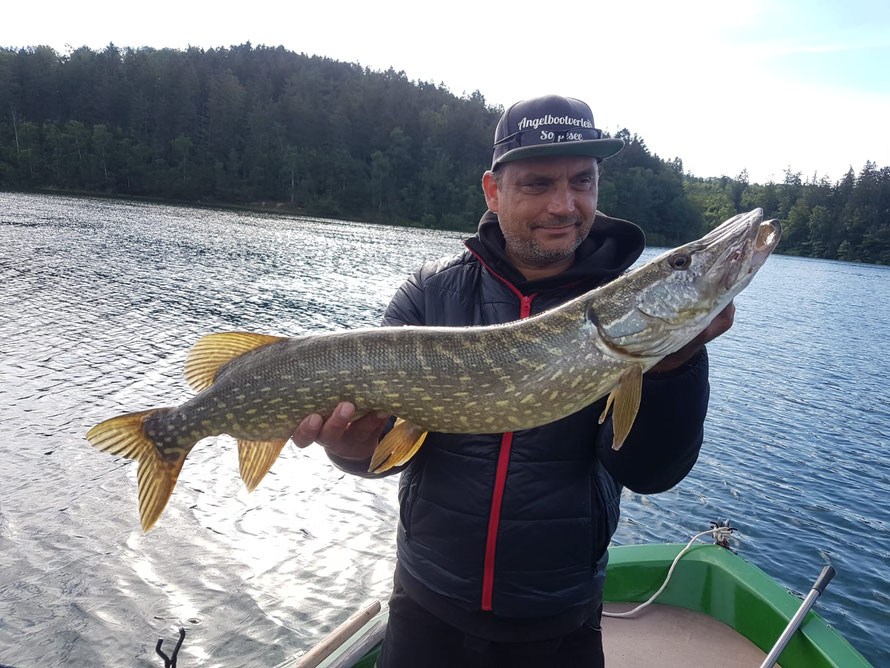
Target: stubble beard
(532, 254)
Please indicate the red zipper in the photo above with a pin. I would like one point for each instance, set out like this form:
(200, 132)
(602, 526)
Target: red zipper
(525, 307)
(494, 519)
(500, 479)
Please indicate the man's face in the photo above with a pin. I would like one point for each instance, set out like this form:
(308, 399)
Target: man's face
(545, 206)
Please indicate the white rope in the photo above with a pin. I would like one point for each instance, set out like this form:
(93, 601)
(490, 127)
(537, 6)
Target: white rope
(720, 534)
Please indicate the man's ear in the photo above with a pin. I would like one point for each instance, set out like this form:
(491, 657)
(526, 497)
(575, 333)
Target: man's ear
(490, 188)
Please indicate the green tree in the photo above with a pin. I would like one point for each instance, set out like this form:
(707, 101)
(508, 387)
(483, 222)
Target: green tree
(102, 147)
(796, 231)
(820, 232)
(181, 149)
(252, 124)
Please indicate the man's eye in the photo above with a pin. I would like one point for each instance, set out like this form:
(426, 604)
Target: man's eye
(534, 186)
(583, 183)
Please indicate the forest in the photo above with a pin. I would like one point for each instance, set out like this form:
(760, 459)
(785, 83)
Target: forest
(269, 128)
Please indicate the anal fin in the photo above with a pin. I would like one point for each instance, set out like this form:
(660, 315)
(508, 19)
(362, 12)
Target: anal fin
(625, 402)
(255, 458)
(397, 447)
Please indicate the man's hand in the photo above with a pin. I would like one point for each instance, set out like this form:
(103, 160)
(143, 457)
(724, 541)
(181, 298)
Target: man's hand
(340, 435)
(720, 324)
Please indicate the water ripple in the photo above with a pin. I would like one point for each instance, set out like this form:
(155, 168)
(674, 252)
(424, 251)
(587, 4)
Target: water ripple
(101, 301)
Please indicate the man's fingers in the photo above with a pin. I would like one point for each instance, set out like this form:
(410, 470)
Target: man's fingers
(336, 425)
(368, 427)
(314, 428)
(727, 317)
(307, 432)
(720, 324)
(339, 433)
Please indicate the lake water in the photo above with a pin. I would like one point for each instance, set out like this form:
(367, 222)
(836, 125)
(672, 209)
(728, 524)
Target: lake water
(100, 301)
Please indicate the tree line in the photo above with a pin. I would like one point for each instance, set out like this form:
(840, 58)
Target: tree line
(265, 126)
(846, 220)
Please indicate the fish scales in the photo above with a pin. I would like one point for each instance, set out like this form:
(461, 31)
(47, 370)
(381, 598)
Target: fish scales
(449, 379)
(443, 371)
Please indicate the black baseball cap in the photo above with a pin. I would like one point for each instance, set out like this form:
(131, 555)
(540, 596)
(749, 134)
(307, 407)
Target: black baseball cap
(549, 125)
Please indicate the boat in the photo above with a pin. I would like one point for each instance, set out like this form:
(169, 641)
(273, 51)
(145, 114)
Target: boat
(716, 602)
(715, 607)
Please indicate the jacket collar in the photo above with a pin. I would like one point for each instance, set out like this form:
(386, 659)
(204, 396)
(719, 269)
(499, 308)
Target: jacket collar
(612, 246)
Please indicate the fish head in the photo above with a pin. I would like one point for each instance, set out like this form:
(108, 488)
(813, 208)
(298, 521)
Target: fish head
(659, 307)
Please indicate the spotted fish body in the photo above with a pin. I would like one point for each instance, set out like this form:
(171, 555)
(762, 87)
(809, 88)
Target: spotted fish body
(447, 379)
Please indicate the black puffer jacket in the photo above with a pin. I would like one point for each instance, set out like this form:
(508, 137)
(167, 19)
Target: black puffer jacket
(517, 524)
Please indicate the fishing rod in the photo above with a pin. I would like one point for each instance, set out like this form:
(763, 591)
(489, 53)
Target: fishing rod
(821, 583)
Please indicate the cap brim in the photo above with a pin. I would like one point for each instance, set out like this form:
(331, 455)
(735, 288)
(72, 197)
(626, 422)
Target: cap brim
(593, 148)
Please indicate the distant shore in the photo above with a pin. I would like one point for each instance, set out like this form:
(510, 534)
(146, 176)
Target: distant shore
(263, 206)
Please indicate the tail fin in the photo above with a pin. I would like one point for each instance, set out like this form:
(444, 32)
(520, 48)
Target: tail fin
(157, 476)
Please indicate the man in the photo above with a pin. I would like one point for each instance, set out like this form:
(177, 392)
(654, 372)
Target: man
(502, 537)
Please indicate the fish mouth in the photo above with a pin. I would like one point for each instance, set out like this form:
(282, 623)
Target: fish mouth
(750, 241)
(768, 234)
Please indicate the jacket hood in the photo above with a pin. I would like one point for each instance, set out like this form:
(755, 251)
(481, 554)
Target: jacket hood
(610, 248)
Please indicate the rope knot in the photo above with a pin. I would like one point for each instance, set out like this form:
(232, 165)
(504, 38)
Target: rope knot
(722, 532)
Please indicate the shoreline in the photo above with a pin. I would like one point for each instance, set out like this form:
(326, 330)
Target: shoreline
(270, 207)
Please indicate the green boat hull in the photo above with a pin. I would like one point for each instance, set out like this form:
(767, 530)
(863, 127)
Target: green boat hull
(714, 581)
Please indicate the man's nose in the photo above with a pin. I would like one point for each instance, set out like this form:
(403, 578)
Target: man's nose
(562, 200)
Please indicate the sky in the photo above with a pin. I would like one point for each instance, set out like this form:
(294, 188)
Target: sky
(725, 86)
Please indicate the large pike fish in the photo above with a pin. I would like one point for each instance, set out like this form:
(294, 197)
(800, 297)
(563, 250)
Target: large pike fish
(467, 380)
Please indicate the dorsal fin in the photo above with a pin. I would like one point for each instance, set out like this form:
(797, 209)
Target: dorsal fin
(212, 351)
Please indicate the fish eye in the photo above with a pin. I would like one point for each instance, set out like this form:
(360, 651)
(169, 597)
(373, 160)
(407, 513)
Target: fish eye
(680, 261)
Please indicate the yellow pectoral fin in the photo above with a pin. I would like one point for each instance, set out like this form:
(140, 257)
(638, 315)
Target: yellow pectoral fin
(627, 403)
(397, 447)
(256, 458)
(214, 350)
(609, 401)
